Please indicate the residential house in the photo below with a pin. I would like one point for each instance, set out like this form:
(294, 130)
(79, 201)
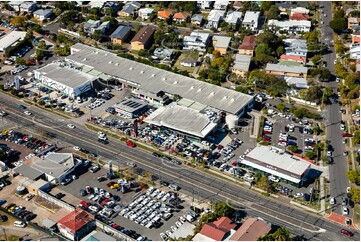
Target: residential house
(355, 37)
(164, 55)
(214, 18)
(251, 230)
(196, 41)
(120, 35)
(299, 10)
(197, 19)
(234, 18)
(143, 39)
(42, 14)
(285, 70)
(104, 27)
(114, 6)
(355, 51)
(164, 14)
(287, 5)
(28, 7)
(15, 5)
(299, 82)
(205, 5)
(350, 10)
(145, 13)
(188, 62)
(299, 59)
(353, 22)
(127, 11)
(96, 4)
(135, 4)
(237, 5)
(290, 26)
(295, 47)
(180, 17)
(250, 20)
(299, 16)
(76, 224)
(221, 43)
(220, 5)
(248, 45)
(241, 65)
(91, 25)
(219, 230)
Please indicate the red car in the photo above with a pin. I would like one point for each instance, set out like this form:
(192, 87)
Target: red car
(104, 201)
(114, 226)
(345, 232)
(83, 204)
(130, 143)
(110, 183)
(346, 135)
(219, 147)
(234, 163)
(281, 141)
(266, 139)
(267, 132)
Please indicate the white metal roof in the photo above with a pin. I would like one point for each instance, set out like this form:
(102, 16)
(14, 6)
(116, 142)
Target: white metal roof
(289, 23)
(153, 80)
(286, 68)
(183, 119)
(273, 157)
(11, 38)
(251, 17)
(221, 41)
(242, 62)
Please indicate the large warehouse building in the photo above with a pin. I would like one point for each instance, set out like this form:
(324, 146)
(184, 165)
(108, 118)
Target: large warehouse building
(277, 162)
(11, 39)
(157, 85)
(65, 80)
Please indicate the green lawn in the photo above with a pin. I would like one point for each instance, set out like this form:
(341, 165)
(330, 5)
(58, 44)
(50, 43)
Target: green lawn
(192, 54)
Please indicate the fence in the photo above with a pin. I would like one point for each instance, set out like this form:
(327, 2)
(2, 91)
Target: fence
(113, 232)
(65, 31)
(56, 201)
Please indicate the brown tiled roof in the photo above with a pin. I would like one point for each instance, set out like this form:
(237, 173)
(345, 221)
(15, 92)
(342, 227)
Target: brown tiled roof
(144, 34)
(217, 229)
(248, 43)
(164, 14)
(76, 220)
(299, 16)
(251, 230)
(180, 15)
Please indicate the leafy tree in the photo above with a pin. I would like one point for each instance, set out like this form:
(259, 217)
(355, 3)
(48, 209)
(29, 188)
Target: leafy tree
(354, 176)
(355, 194)
(356, 137)
(340, 13)
(310, 155)
(281, 234)
(19, 21)
(292, 148)
(263, 49)
(274, 12)
(97, 35)
(355, 14)
(316, 59)
(263, 183)
(281, 107)
(41, 102)
(20, 61)
(279, 51)
(242, 89)
(338, 25)
(222, 209)
(266, 5)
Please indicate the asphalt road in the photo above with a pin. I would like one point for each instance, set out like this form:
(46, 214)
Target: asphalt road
(208, 187)
(337, 171)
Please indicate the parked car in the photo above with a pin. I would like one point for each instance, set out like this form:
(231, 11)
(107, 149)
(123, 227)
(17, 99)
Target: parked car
(130, 143)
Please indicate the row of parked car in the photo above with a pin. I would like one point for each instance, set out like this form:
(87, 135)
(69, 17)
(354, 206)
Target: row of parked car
(19, 211)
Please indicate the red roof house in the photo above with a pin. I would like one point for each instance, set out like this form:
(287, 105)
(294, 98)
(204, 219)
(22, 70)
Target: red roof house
(299, 16)
(218, 230)
(180, 17)
(300, 59)
(248, 45)
(76, 224)
(164, 14)
(251, 230)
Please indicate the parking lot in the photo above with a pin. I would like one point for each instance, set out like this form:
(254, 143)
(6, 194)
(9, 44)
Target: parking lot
(108, 211)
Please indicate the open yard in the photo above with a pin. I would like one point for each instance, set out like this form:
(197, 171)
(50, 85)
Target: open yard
(191, 54)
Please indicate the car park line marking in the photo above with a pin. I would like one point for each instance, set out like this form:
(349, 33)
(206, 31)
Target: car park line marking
(186, 181)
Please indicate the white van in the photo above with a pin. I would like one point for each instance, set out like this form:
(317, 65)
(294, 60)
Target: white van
(78, 99)
(19, 224)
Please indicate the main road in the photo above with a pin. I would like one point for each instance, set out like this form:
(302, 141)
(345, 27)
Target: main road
(192, 181)
(337, 171)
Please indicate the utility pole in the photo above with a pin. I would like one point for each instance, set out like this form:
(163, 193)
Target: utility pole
(6, 237)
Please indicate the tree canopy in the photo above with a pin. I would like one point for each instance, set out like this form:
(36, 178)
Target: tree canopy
(354, 176)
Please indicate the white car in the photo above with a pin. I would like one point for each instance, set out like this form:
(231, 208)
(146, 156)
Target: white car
(274, 179)
(332, 201)
(27, 113)
(342, 127)
(76, 148)
(298, 195)
(344, 211)
(71, 126)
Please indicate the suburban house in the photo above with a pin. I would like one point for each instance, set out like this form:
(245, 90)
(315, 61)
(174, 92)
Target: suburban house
(76, 224)
(96, 4)
(42, 14)
(248, 45)
(28, 7)
(196, 41)
(180, 17)
(297, 47)
(127, 11)
(164, 14)
(285, 70)
(234, 18)
(299, 10)
(214, 18)
(188, 62)
(299, 59)
(205, 5)
(290, 26)
(355, 51)
(220, 5)
(91, 25)
(145, 13)
(299, 82)
(15, 5)
(165, 55)
(350, 10)
(135, 4)
(143, 39)
(237, 5)
(219, 230)
(355, 37)
(197, 19)
(104, 26)
(251, 230)
(114, 6)
(241, 65)
(352, 22)
(250, 20)
(120, 35)
(299, 16)
(221, 43)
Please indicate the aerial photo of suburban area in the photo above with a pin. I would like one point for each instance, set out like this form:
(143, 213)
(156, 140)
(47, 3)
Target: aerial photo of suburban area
(180, 120)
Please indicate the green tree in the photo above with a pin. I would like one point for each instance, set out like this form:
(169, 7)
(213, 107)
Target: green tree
(354, 176)
(266, 5)
(274, 12)
(310, 155)
(97, 35)
(263, 184)
(20, 61)
(355, 14)
(355, 194)
(338, 25)
(263, 49)
(41, 102)
(316, 59)
(281, 234)
(222, 209)
(19, 21)
(292, 148)
(281, 107)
